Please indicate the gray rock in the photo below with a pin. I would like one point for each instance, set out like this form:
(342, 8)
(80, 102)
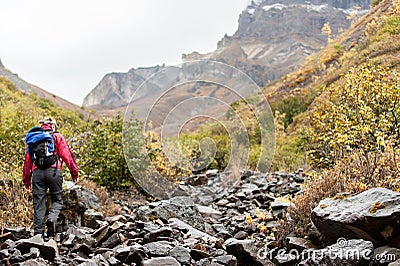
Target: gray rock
(112, 241)
(246, 252)
(4, 254)
(156, 234)
(182, 208)
(116, 225)
(84, 248)
(90, 218)
(100, 260)
(181, 254)
(345, 253)
(285, 259)
(249, 188)
(34, 262)
(386, 254)
(209, 212)
(281, 203)
(119, 218)
(224, 234)
(198, 254)
(297, 178)
(7, 244)
(17, 232)
(6, 236)
(191, 232)
(68, 241)
(35, 252)
(218, 227)
(227, 260)
(165, 261)
(76, 200)
(196, 180)
(113, 261)
(75, 235)
(212, 172)
(222, 202)
(395, 263)
(88, 262)
(241, 235)
(102, 233)
(299, 243)
(48, 249)
(159, 248)
(371, 215)
(132, 254)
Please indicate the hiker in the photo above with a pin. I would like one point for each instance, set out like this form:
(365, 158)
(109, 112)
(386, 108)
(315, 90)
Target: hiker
(43, 170)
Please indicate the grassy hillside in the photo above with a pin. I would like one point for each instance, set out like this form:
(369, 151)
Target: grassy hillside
(343, 106)
(18, 113)
(93, 143)
(30, 88)
(374, 38)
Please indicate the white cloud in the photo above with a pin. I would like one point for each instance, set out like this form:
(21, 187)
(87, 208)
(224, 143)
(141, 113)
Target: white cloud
(67, 46)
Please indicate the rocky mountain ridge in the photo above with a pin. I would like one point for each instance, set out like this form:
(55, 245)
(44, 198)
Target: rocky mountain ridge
(272, 39)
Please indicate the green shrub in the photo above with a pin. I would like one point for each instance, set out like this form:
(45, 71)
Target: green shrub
(290, 106)
(391, 26)
(375, 3)
(101, 152)
(360, 113)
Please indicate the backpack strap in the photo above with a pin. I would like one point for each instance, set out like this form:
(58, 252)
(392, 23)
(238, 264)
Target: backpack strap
(55, 149)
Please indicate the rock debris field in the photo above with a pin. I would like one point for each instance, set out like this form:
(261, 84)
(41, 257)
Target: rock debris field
(209, 223)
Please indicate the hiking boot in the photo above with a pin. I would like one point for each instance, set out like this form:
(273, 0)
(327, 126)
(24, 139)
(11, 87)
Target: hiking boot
(51, 228)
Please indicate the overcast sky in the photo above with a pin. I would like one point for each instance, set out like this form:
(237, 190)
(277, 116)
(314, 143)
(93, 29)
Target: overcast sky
(66, 47)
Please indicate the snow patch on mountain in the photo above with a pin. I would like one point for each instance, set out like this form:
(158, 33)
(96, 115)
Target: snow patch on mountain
(274, 6)
(254, 4)
(251, 11)
(320, 8)
(357, 12)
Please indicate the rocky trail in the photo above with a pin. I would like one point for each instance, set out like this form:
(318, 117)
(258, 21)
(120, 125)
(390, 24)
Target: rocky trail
(210, 223)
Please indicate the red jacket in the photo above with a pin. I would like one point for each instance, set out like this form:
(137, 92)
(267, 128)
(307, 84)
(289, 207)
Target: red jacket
(63, 152)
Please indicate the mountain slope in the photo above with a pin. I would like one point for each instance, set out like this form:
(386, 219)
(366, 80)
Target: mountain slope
(272, 39)
(374, 38)
(30, 88)
(367, 39)
(277, 37)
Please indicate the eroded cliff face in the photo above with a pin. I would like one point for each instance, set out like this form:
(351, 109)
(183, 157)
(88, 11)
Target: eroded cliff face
(273, 38)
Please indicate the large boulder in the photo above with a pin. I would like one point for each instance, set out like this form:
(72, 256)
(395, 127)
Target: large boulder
(181, 207)
(345, 253)
(48, 250)
(77, 201)
(190, 231)
(371, 215)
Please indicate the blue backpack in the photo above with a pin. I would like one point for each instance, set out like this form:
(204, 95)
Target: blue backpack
(41, 147)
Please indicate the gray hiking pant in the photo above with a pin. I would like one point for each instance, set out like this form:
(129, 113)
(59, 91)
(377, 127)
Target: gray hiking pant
(41, 181)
